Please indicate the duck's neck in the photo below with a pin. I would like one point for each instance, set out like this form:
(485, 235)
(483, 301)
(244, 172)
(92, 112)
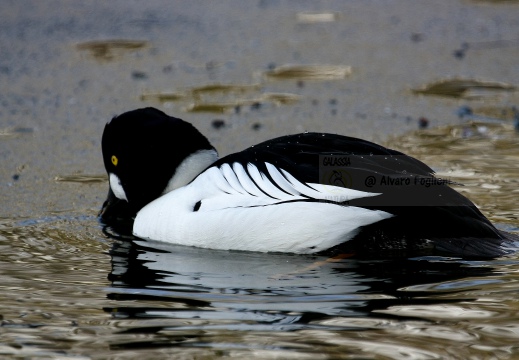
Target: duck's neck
(191, 167)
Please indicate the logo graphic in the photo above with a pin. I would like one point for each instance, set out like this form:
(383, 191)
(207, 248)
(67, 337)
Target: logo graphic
(335, 177)
(370, 181)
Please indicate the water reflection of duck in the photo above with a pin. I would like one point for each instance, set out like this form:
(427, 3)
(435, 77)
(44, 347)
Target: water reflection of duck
(269, 291)
(268, 197)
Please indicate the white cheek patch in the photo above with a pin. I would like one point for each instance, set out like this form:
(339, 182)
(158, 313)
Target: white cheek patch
(117, 188)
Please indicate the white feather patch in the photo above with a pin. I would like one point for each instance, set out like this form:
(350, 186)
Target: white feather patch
(190, 167)
(296, 227)
(235, 214)
(117, 188)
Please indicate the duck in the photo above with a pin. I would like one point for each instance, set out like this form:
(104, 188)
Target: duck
(308, 193)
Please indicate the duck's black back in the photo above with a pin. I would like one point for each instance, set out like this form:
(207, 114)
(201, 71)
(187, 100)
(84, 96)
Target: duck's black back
(425, 208)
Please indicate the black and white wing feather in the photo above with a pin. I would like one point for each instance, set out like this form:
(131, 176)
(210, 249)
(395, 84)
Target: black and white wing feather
(272, 197)
(240, 207)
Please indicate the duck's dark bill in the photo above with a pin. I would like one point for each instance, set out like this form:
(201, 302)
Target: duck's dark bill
(116, 212)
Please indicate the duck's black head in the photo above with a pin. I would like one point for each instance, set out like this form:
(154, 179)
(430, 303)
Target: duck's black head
(144, 153)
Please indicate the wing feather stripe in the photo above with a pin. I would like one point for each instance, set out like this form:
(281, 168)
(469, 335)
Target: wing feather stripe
(263, 183)
(325, 192)
(280, 180)
(246, 181)
(302, 188)
(217, 178)
(232, 179)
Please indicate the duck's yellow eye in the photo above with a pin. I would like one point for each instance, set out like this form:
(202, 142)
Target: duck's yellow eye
(115, 160)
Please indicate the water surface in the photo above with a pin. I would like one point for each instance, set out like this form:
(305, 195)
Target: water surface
(242, 73)
(73, 289)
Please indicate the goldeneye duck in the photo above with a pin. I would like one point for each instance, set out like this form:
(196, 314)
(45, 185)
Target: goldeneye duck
(304, 193)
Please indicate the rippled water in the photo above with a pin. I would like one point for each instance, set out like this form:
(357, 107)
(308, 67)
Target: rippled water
(242, 73)
(481, 153)
(71, 289)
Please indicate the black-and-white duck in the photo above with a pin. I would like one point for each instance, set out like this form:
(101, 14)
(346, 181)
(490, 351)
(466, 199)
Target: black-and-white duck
(304, 193)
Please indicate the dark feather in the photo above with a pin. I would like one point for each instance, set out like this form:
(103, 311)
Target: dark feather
(428, 213)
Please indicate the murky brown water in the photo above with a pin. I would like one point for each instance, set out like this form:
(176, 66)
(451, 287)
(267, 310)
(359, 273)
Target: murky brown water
(242, 73)
(71, 291)
(481, 152)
